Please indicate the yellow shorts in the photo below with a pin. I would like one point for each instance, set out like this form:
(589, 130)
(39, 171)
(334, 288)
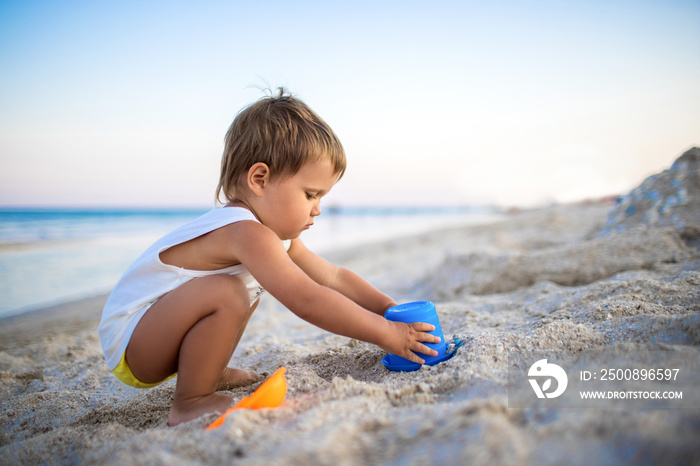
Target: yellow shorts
(124, 374)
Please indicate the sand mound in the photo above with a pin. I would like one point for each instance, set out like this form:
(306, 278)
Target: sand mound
(667, 199)
(668, 202)
(570, 265)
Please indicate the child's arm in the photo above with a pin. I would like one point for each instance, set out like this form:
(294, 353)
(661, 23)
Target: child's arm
(340, 279)
(259, 249)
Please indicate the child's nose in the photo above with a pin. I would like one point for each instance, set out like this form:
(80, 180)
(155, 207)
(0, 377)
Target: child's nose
(316, 211)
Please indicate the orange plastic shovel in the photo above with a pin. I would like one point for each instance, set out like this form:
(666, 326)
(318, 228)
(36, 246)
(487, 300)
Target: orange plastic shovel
(268, 395)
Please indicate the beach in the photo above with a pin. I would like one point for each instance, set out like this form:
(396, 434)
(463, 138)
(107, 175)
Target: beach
(605, 284)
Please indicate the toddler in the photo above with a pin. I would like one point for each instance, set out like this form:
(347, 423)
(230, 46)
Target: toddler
(182, 306)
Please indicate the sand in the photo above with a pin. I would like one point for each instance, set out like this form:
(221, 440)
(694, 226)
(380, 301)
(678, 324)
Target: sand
(565, 280)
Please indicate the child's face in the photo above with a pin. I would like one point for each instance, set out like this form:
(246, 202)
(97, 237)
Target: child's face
(290, 204)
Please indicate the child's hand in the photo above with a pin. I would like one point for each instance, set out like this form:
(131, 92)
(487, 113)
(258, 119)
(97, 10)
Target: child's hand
(407, 338)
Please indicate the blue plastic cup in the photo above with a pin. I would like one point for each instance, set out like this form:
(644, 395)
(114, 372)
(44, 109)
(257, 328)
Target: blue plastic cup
(418, 311)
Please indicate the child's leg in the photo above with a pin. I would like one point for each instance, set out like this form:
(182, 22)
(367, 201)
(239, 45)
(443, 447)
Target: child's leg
(193, 331)
(232, 377)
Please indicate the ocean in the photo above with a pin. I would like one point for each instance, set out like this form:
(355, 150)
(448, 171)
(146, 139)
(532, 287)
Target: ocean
(53, 256)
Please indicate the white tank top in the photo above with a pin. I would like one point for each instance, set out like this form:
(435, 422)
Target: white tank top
(147, 279)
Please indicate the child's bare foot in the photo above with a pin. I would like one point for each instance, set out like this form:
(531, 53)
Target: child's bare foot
(186, 410)
(231, 378)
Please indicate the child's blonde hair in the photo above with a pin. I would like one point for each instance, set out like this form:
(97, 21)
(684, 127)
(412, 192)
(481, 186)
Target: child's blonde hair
(282, 132)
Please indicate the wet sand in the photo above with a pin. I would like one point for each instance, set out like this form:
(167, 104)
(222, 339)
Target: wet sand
(566, 280)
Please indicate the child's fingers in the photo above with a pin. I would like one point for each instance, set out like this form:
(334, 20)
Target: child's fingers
(416, 335)
(418, 348)
(428, 337)
(413, 357)
(422, 326)
(421, 348)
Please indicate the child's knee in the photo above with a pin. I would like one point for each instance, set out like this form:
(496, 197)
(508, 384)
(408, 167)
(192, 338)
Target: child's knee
(229, 293)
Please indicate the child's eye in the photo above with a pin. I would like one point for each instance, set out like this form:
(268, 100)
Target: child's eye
(310, 196)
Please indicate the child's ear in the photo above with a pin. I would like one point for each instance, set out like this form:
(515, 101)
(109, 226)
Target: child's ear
(258, 177)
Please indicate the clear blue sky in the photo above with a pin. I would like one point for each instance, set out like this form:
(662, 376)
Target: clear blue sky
(127, 103)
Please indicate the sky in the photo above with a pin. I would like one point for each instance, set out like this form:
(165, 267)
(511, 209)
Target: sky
(436, 103)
